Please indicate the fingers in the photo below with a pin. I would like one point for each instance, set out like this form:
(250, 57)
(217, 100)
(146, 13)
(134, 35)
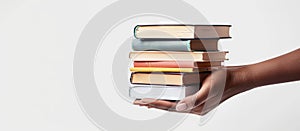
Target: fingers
(201, 109)
(187, 103)
(206, 107)
(164, 105)
(192, 101)
(153, 103)
(140, 103)
(191, 104)
(184, 105)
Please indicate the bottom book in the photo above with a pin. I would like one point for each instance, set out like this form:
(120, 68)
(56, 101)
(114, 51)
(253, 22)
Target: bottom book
(162, 92)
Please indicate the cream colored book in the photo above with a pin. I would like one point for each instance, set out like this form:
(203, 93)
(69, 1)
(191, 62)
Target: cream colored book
(181, 31)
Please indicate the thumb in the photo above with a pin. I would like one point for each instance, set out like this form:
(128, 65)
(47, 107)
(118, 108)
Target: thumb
(192, 101)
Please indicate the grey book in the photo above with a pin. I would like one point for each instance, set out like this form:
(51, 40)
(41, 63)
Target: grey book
(175, 45)
(162, 92)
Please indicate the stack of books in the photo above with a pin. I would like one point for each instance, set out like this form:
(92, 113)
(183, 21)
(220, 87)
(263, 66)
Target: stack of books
(170, 61)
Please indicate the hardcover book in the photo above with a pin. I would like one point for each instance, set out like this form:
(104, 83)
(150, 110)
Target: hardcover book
(162, 92)
(181, 31)
(176, 64)
(167, 78)
(175, 45)
(178, 56)
(150, 69)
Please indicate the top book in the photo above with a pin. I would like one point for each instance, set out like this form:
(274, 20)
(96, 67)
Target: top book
(182, 31)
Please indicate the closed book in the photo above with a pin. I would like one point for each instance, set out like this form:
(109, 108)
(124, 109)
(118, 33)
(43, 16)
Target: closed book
(175, 45)
(154, 69)
(178, 56)
(181, 31)
(162, 92)
(167, 78)
(176, 64)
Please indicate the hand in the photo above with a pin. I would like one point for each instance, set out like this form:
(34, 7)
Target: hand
(229, 81)
(216, 88)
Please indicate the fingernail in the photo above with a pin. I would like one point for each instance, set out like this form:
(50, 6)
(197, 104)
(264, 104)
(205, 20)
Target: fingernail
(147, 100)
(181, 107)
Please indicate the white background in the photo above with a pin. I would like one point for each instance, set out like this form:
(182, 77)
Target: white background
(38, 40)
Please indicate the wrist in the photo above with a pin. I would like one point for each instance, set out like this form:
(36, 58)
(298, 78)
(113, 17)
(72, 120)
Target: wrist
(242, 79)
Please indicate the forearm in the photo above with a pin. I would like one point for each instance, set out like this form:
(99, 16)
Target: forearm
(281, 69)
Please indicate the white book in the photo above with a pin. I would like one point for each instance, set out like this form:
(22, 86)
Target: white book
(162, 92)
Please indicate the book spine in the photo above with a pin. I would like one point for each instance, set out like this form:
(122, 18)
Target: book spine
(161, 45)
(134, 31)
